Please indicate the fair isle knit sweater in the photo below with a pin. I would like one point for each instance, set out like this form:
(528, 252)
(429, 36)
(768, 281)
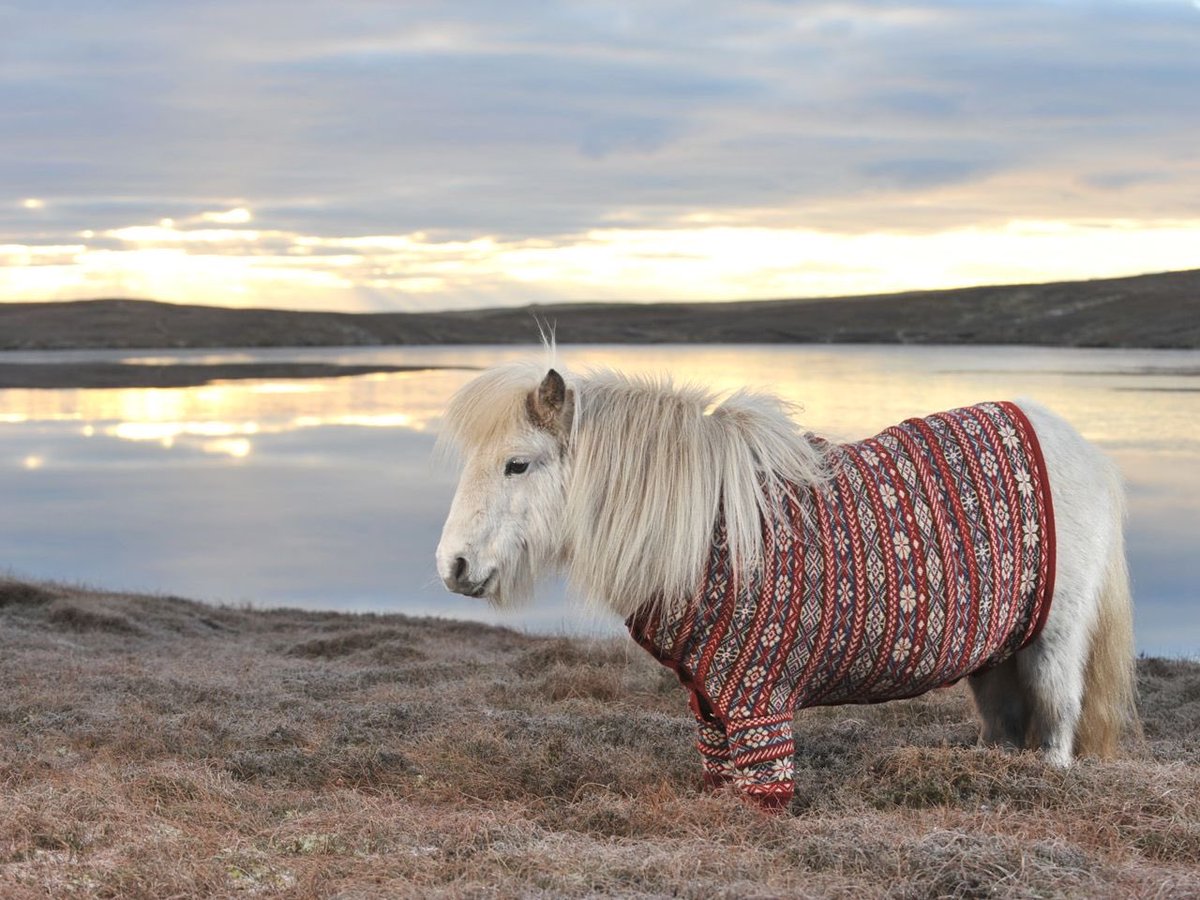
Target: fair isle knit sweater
(928, 557)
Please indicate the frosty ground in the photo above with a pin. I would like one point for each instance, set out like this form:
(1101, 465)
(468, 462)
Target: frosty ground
(154, 747)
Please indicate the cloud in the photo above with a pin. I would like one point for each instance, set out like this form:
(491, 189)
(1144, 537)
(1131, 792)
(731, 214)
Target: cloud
(237, 216)
(524, 122)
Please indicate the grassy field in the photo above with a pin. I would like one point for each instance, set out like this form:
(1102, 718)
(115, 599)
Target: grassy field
(156, 747)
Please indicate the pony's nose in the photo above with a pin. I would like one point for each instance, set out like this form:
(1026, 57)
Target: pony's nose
(460, 579)
(455, 575)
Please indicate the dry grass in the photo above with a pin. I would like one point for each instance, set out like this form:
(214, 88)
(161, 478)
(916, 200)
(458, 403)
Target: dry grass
(153, 747)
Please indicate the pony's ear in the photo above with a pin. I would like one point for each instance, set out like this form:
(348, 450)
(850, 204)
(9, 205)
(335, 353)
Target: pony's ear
(551, 406)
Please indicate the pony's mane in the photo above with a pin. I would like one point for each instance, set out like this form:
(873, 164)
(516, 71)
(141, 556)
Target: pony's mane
(652, 466)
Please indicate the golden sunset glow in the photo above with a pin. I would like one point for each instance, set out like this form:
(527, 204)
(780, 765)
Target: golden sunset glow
(236, 266)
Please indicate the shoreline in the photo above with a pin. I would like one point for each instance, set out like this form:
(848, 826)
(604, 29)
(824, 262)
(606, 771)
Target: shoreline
(86, 374)
(117, 375)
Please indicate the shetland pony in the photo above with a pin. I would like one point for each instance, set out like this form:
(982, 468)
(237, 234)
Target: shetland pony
(712, 525)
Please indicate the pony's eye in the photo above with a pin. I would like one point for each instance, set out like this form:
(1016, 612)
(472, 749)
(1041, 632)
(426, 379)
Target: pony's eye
(515, 467)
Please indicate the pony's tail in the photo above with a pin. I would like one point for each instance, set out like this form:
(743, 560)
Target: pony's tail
(1110, 685)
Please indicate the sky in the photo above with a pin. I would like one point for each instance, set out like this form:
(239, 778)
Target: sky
(383, 155)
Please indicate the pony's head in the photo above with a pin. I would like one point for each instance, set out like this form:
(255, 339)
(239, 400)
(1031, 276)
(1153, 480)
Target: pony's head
(618, 481)
(512, 427)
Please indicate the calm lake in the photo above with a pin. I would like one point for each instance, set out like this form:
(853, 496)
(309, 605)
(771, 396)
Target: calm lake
(322, 493)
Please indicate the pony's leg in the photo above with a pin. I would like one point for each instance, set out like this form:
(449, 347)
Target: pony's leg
(763, 749)
(1002, 704)
(715, 756)
(1052, 670)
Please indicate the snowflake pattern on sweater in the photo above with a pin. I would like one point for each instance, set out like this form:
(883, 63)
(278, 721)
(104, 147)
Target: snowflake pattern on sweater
(928, 557)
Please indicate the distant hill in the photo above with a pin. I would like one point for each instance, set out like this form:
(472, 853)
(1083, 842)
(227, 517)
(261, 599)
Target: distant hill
(1142, 311)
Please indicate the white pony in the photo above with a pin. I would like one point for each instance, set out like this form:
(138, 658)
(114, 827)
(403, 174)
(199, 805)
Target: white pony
(646, 495)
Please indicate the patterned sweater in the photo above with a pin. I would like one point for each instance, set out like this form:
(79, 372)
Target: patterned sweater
(929, 556)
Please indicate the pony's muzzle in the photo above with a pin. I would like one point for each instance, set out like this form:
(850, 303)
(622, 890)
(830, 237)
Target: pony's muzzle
(459, 578)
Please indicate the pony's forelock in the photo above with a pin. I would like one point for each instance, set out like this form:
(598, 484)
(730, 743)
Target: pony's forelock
(492, 405)
(488, 408)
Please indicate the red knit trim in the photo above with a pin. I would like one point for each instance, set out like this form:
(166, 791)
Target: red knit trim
(1050, 536)
(739, 725)
(776, 800)
(714, 781)
(747, 758)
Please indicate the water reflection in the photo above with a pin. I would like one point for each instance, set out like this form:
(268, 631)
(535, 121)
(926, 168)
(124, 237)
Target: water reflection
(320, 492)
(227, 418)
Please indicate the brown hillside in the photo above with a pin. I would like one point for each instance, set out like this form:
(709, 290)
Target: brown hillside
(1143, 311)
